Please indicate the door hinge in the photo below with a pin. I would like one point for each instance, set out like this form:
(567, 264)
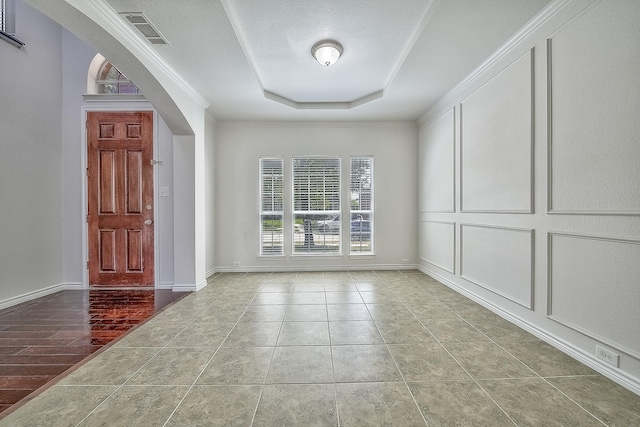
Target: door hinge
(87, 218)
(87, 265)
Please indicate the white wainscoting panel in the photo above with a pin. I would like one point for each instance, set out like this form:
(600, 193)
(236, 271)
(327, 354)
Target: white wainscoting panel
(496, 142)
(438, 244)
(437, 165)
(499, 259)
(594, 82)
(594, 288)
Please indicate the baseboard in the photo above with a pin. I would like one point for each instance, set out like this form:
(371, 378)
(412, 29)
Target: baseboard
(165, 285)
(616, 375)
(203, 284)
(294, 268)
(19, 299)
(73, 286)
(184, 287)
(189, 287)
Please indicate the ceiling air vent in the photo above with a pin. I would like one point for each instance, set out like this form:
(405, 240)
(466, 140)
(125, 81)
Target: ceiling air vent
(146, 28)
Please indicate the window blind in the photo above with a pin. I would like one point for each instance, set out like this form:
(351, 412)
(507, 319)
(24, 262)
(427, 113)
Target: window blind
(271, 206)
(7, 16)
(316, 205)
(361, 205)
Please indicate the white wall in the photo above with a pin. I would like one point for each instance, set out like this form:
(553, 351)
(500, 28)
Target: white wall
(394, 147)
(530, 171)
(31, 186)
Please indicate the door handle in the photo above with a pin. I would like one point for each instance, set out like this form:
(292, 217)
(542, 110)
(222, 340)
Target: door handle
(148, 222)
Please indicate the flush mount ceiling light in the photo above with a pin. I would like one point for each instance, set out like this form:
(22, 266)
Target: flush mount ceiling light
(326, 52)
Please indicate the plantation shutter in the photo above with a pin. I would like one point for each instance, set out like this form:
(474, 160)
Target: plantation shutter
(316, 205)
(361, 205)
(271, 206)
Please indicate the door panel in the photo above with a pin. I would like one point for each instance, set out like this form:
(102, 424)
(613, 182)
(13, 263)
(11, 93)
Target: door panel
(120, 198)
(134, 182)
(107, 182)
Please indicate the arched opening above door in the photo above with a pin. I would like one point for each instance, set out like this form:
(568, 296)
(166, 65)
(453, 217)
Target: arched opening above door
(104, 78)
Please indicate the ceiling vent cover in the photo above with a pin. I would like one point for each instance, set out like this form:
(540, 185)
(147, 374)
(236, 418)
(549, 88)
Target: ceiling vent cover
(145, 27)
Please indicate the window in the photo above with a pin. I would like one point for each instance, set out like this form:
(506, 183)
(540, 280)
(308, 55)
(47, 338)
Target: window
(316, 205)
(317, 224)
(271, 206)
(361, 205)
(8, 23)
(7, 17)
(112, 81)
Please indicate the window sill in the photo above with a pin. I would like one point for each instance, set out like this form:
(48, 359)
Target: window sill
(271, 257)
(93, 97)
(362, 256)
(11, 39)
(304, 257)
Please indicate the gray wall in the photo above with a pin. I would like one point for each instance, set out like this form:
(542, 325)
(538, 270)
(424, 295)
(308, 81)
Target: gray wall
(42, 240)
(210, 180)
(77, 57)
(31, 182)
(394, 147)
(529, 178)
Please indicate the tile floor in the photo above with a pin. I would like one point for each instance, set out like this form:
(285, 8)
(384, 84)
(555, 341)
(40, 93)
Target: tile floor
(383, 348)
(42, 338)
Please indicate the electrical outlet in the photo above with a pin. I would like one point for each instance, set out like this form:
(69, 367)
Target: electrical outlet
(607, 355)
(405, 261)
(236, 263)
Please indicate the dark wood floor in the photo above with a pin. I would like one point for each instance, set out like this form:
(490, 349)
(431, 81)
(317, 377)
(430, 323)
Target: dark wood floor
(42, 338)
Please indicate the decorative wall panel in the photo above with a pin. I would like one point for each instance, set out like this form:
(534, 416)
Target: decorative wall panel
(593, 112)
(593, 287)
(496, 142)
(499, 259)
(437, 244)
(437, 165)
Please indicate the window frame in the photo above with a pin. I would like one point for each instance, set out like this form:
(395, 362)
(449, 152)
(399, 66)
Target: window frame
(102, 81)
(273, 213)
(364, 213)
(7, 17)
(315, 214)
(8, 23)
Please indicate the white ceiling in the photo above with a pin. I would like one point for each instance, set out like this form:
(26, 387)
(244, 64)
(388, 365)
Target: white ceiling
(251, 59)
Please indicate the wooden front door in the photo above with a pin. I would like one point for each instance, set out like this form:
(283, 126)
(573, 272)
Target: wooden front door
(120, 198)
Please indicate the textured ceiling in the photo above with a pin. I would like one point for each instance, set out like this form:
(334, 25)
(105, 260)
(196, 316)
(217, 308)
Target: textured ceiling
(279, 48)
(251, 59)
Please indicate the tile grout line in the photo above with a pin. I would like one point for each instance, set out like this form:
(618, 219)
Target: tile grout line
(537, 375)
(415, 402)
(400, 287)
(264, 380)
(333, 367)
(212, 356)
(456, 360)
(134, 373)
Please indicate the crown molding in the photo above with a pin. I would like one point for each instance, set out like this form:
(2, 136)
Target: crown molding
(548, 13)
